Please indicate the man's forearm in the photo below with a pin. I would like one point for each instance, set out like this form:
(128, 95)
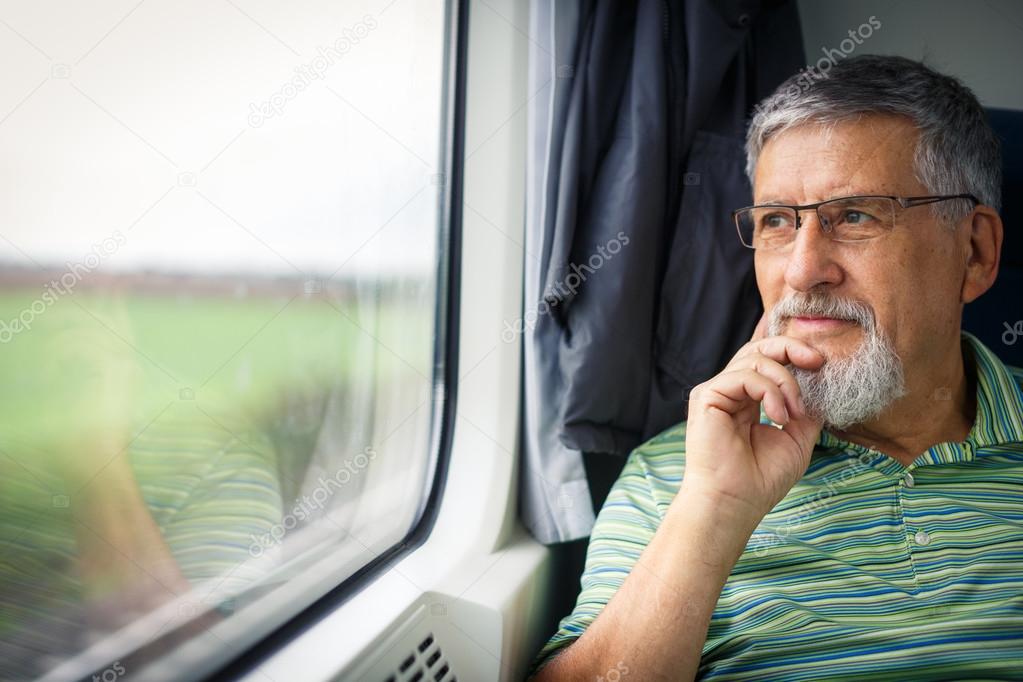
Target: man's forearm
(656, 623)
(125, 565)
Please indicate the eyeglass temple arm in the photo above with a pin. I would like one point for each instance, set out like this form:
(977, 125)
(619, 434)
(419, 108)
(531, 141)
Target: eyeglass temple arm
(908, 202)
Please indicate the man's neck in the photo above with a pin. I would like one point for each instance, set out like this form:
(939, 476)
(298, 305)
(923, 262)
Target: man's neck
(939, 406)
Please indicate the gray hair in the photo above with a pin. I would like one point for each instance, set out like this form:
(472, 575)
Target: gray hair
(957, 151)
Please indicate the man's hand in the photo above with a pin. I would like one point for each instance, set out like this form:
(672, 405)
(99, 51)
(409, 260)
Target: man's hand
(731, 457)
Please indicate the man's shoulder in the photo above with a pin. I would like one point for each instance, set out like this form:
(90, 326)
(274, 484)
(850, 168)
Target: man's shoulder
(1016, 373)
(664, 452)
(673, 437)
(1016, 376)
(673, 434)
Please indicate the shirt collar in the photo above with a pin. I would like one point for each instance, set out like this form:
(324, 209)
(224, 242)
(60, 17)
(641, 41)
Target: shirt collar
(999, 399)
(999, 417)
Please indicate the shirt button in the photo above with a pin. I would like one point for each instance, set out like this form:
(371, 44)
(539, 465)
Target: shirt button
(908, 480)
(922, 537)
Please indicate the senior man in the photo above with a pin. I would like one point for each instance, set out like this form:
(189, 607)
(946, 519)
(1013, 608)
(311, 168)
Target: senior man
(845, 501)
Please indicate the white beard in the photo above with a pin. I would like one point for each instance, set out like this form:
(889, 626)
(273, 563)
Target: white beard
(853, 389)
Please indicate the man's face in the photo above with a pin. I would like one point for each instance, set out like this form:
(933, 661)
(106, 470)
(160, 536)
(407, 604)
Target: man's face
(910, 278)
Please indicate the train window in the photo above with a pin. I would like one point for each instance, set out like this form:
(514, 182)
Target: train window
(219, 236)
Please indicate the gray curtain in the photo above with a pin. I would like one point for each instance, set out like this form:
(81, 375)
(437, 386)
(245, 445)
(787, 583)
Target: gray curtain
(637, 287)
(555, 500)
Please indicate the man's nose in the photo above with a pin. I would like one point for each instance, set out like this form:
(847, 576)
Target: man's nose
(811, 260)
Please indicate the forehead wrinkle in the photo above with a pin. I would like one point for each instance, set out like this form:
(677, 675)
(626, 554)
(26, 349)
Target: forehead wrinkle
(894, 128)
(790, 151)
(888, 129)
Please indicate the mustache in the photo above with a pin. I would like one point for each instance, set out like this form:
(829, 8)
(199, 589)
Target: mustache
(820, 305)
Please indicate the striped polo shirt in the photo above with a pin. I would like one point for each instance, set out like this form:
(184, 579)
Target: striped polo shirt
(867, 569)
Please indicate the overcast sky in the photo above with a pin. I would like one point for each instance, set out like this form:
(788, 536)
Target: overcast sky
(148, 128)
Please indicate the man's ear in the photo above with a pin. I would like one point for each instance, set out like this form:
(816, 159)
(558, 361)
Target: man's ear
(983, 252)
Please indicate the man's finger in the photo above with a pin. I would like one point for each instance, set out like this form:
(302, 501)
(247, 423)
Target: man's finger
(783, 349)
(777, 373)
(734, 391)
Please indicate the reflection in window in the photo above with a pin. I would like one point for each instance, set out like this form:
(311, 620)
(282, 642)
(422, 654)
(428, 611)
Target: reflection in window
(218, 256)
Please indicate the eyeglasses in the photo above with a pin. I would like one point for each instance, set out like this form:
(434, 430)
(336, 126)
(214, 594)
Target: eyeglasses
(847, 219)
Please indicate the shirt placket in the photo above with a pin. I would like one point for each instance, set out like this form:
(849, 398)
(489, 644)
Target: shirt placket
(899, 480)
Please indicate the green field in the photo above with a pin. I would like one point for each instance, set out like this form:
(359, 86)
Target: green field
(91, 365)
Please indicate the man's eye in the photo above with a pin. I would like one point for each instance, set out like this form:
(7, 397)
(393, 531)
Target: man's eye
(855, 217)
(775, 220)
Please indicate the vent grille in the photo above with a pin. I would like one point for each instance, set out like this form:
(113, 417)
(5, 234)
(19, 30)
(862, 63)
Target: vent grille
(425, 663)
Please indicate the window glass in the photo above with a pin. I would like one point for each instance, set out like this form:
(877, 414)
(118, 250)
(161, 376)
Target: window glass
(218, 286)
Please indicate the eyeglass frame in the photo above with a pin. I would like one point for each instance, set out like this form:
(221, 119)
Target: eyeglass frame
(904, 202)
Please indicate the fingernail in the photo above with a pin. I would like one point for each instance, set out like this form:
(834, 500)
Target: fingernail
(799, 402)
(786, 415)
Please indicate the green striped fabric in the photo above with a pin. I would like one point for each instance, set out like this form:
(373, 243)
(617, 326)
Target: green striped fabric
(867, 569)
(210, 483)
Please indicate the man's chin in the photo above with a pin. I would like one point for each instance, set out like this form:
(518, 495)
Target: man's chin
(855, 383)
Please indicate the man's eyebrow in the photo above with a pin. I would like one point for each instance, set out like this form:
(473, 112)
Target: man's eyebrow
(838, 194)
